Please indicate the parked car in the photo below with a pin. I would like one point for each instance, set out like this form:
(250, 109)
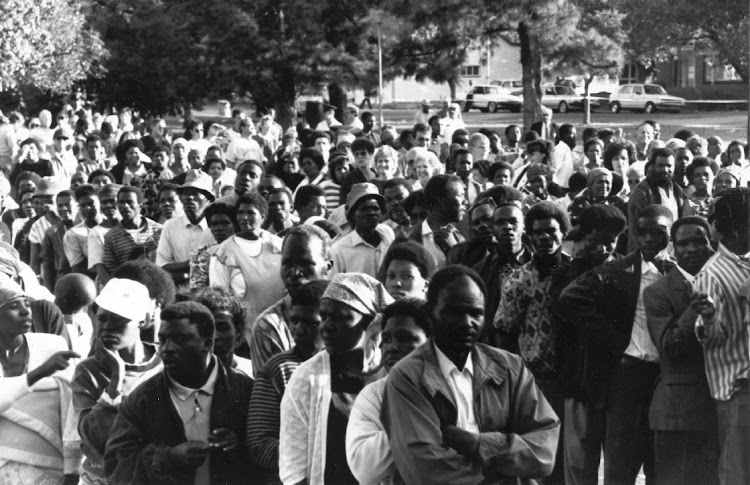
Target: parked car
(509, 85)
(488, 97)
(644, 97)
(563, 98)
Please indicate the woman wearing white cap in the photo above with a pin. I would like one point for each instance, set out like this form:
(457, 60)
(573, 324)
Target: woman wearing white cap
(35, 398)
(316, 406)
(121, 361)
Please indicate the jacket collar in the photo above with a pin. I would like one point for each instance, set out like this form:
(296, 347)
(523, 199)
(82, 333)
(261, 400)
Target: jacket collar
(484, 369)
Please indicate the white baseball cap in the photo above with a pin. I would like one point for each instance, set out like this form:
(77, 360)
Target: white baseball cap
(127, 298)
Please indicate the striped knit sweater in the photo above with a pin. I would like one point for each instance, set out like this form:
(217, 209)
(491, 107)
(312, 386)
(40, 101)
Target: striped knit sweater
(264, 414)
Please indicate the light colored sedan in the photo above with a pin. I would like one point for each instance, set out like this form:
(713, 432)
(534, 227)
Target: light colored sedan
(644, 97)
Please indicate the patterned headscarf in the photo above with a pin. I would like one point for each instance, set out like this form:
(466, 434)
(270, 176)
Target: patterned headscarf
(732, 170)
(358, 291)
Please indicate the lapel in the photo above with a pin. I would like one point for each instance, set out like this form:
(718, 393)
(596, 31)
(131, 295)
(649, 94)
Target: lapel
(628, 280)
(678, 288)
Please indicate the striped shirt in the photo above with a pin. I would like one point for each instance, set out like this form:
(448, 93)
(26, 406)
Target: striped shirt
(725, 339)
(120, 242)
(264, 413)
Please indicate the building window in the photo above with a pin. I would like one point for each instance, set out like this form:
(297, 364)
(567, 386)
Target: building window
(715, 71)
(470, 71)
(629, 73)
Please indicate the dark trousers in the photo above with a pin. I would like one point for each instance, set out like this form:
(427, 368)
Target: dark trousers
(734, 437)
(583, 439)
(686, 457)
(553, 391)
(629, 441)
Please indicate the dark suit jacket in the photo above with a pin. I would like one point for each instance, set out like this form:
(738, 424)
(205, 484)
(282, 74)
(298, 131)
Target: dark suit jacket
(553, 129)
(602, 303)
(682, 400)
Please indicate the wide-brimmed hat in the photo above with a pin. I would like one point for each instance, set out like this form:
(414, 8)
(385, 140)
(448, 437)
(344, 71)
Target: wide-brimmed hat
(361, 192)
(199, 180)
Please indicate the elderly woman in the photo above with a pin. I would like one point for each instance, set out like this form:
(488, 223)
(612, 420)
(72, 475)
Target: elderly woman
(598, 191)
(37, 420)
(249, 261)
(368, 452)
(315, 410)
(426, 164)
(386, 164)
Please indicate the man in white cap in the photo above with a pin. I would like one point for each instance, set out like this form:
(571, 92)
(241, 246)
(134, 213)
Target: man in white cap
(181, 235)
(424, 113)
(363, 249)
(329, 123)
(453, 121)
(119, 364)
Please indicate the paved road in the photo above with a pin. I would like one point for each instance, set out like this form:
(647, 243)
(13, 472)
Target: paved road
(729, 125)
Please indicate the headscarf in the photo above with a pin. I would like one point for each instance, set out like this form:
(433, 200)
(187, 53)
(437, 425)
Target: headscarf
(733, 170)
(9, 260)
(361, 292)
(594, 174)
(9, 290)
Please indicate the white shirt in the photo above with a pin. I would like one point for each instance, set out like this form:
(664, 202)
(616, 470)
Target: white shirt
(562, 164)
(36, 233)
(352, 254)
(179, 238)
(241, 149)
(460, 383)
(641, 346)
(76, 243)
(668, 200)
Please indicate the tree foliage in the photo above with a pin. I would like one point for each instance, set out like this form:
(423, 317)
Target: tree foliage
(46, 44)
(170, 54)
(657, 30)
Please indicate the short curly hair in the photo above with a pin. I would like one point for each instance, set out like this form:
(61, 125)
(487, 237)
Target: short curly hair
(412, 252)
(409, 307)
(218, 299)
(547, 210)
(254, 199)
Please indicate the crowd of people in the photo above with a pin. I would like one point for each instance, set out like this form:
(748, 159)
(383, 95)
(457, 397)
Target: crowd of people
(341, 304)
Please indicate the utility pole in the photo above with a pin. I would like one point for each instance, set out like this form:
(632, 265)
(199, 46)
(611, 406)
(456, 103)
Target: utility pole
(380, 78)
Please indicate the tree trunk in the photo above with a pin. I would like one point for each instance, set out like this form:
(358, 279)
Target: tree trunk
(531, 63)
(587, 99)
(337, 97)
(286, 113)
(452, 87)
